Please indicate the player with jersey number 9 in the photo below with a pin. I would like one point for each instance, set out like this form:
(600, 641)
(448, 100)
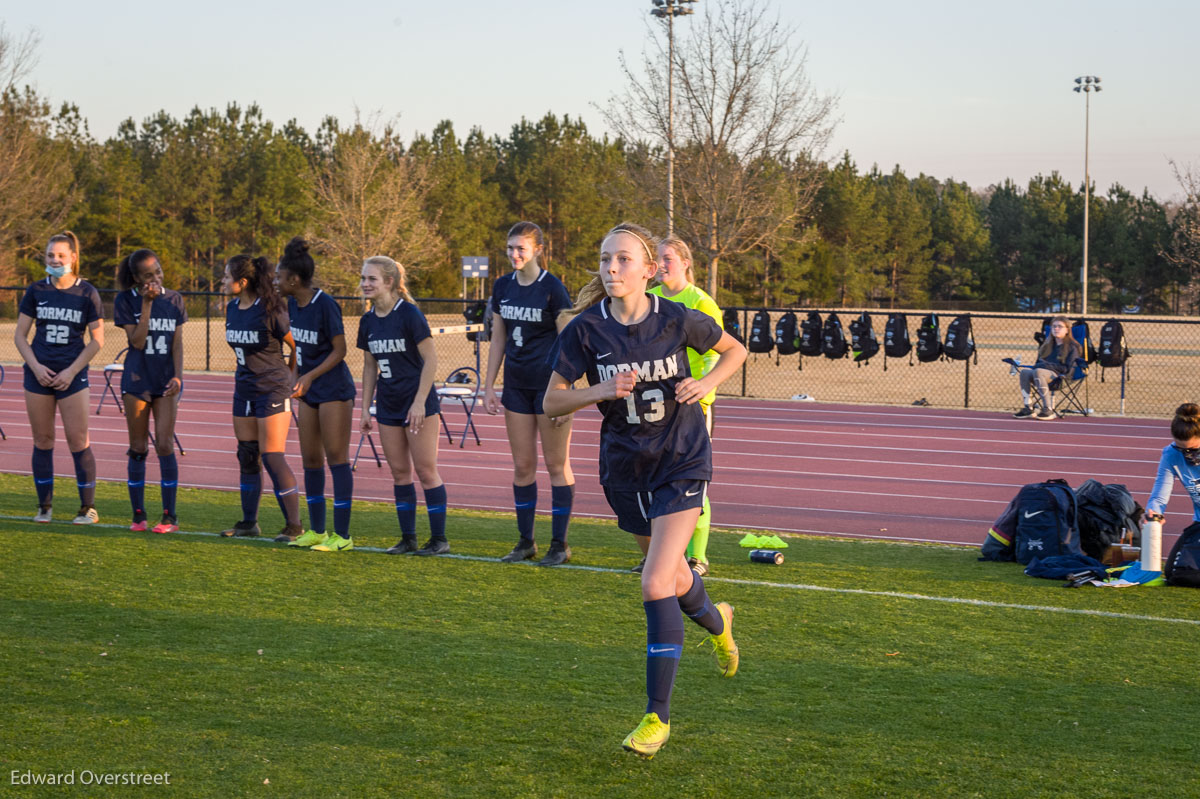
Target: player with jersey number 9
(656, 458)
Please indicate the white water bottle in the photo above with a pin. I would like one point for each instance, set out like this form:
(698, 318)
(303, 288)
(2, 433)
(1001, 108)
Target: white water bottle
(1152, 546)
(1013, 369)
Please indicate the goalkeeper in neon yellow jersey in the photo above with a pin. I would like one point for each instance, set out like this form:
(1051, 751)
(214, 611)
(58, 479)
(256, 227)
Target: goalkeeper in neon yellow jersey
(675, 283)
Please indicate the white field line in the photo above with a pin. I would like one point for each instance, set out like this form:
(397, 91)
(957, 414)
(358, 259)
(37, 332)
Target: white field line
(981, 603)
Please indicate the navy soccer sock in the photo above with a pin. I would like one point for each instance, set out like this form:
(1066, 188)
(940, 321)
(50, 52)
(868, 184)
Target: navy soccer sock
(561, 500)
(43, 475)
(85, 476)
(697, 606)
(435, 506)
(343, 497)
(168, 468)
(136, 480)
(314, 493)
(285, 486)
(664, 645)
(525, 501)
(406, 509)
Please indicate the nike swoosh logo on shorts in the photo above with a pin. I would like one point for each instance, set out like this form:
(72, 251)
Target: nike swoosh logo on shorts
(1029, 515)
(690, 493)
(276, 404)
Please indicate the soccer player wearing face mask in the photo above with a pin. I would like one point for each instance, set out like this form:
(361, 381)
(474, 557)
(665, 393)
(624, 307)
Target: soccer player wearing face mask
(59, 310)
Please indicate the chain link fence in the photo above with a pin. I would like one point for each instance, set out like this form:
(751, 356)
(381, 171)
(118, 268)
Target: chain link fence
(1163, 369)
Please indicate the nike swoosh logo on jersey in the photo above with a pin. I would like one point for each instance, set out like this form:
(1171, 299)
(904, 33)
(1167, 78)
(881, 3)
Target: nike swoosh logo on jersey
(691, 493)
(1029, 515)
(504, 301)
(43, 303)
(605, 355)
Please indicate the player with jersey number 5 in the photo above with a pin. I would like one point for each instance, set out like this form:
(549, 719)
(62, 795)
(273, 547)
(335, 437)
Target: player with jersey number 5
(525, 322)
(256, 328)
(152, 318)
(62, 307)
(655, 455)
(399, 363)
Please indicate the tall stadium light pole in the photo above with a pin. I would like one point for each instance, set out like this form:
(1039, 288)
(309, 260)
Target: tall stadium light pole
(671, 9)
(1086, 84)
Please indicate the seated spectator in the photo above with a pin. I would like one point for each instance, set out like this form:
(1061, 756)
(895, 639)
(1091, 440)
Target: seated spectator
(1055, 358)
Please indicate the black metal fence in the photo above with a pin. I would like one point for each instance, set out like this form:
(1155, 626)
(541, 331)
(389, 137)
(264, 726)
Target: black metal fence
(1162, 371)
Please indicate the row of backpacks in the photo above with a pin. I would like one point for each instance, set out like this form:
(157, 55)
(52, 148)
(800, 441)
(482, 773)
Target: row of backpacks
(826, 337)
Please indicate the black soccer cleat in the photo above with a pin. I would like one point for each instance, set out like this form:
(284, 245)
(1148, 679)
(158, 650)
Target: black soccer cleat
(638, 568)
(434, 546)
(557, 556)
(405, 546)
(242, 529)
(520, 552)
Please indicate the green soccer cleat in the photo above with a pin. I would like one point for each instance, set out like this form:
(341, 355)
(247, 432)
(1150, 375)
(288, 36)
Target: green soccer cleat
(310, 539)
(723, 646)
(335, 543)
(649, 736)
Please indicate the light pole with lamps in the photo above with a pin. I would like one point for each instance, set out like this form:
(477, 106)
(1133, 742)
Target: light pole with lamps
(671, 9)
(1086, 84)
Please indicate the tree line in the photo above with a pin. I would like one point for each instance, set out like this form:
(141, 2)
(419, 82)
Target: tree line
(787, 228)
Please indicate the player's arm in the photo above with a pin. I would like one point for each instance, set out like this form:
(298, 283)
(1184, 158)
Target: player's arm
(291, 342)
(369, 376)
(732, 354)
(63, 379)
(336, 355)
(21, 339)
(176, 382)
(416, 412)
(136, 334)
(562, 398)
(495, 358)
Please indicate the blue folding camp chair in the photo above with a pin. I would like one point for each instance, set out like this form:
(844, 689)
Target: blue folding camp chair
(1065, 391)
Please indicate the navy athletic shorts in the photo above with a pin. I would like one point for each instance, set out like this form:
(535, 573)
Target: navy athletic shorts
(635, 509)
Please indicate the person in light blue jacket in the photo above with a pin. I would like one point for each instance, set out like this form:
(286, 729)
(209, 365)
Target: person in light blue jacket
(1180, 459)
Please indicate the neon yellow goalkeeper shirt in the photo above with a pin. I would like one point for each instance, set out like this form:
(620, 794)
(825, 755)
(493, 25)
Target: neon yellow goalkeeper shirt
(698, 299)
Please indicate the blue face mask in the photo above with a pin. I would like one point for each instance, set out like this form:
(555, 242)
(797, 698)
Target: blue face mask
(58, 271)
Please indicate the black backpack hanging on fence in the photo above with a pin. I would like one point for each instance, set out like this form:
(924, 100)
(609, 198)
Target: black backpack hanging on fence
(1112, 352)
(731, 321)
(833, 338)
(787, 335)
(810, 335)
(929, 339)
(761, 339)
(960, 340)
(1183, 564)
(475, 314)
(863, 344)
(896, 343)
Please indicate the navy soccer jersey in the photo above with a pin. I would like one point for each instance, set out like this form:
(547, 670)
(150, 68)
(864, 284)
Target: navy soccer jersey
(256, 339)
(529, 313)
(392, 340)
(149, 370)
(646, 439)
(61, 316)
(313, 329)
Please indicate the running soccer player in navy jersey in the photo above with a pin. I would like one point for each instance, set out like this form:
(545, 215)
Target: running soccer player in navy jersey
(152, 318)
(325, 391)
(62, 307)
(655, 455)
(525, 322)
(256, 327)
(400, 361)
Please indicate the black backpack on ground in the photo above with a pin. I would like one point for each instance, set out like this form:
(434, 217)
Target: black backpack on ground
(1183, 564)
(929, 339)
(761, 339)
(863, 344)
(1105, 513)
(787, 335)
(810, 335)
(1112, 352)
(833, 338)
(731, 321)
(960, 340)
(1038, 523)
(476, 313)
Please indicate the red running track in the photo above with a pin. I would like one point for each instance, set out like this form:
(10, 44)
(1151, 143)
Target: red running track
(861, 471)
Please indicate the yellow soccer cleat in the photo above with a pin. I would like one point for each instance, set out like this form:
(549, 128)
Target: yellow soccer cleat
(335, 543)
(723, 646)
(649, 736)
(310, 539)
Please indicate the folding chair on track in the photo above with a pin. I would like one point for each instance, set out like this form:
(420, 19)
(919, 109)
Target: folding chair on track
(460, 388)
(367, 437)
(1069, 393)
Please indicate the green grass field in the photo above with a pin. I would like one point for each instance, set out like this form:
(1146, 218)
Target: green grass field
(243, 668)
